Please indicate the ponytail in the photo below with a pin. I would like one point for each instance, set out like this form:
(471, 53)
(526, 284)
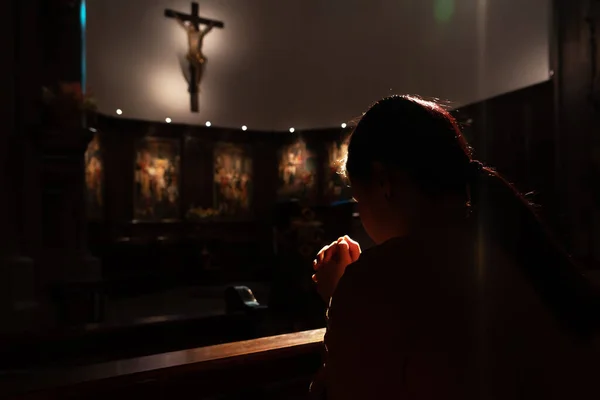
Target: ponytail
(512, 222)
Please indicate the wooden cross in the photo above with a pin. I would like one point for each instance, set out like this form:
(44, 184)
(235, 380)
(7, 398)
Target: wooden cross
(197, 60)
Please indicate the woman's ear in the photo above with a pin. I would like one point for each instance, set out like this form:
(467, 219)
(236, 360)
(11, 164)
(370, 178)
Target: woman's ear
(382, 180)
(379, 173)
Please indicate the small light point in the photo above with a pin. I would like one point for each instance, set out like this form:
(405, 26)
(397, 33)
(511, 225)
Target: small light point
(168, 120)
(208, 123)
(344, 125)
(244, 128)
(292, 130)
(119, 111)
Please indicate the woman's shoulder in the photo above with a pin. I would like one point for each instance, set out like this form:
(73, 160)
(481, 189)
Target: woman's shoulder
(405, 268)
(390, 263)
(389, 257)
(388, 280)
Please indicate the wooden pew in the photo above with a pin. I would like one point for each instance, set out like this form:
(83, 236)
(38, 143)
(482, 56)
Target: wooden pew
(95, 343)
(245, 319)
(267, 368)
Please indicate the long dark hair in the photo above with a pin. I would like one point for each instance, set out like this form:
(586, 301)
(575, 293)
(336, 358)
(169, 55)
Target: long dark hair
(423, 140)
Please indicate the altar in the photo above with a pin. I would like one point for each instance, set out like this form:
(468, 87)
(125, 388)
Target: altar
(169, 201)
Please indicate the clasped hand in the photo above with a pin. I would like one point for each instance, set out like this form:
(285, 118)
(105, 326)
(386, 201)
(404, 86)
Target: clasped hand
(331, 262)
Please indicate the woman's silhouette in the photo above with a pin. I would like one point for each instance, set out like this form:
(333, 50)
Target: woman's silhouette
(465, 295)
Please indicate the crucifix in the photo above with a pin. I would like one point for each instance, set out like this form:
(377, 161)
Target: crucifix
(197, 60)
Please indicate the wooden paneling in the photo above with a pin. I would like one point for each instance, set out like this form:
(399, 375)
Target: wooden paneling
(515, 133)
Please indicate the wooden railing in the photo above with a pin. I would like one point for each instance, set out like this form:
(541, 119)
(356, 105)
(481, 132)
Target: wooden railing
(270, 367)
(100, 343)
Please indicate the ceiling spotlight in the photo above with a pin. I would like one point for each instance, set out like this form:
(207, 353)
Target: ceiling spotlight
(119, 111)
(244, 128)
(168, 120)
(208, 123)
(292, 130)
(344, 125)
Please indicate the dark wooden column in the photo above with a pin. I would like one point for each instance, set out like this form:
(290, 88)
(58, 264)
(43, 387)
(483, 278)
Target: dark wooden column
(19, 308)
(68, 270)
(578, 123)
(7, 203)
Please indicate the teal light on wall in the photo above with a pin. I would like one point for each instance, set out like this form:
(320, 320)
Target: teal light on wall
(83, 22)
(443, 10)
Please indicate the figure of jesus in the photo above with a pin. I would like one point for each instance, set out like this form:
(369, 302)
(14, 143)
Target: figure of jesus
(195, 40)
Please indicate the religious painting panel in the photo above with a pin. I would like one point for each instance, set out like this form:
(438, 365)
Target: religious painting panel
(233, 178)
(94, 179)
(297, 172)
(336, 185)
(157, 178)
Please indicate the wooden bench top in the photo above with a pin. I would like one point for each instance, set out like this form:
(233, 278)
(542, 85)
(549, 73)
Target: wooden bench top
(194, 360)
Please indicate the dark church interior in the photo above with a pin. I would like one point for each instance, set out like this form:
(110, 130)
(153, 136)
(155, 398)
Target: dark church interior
(162, 202)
